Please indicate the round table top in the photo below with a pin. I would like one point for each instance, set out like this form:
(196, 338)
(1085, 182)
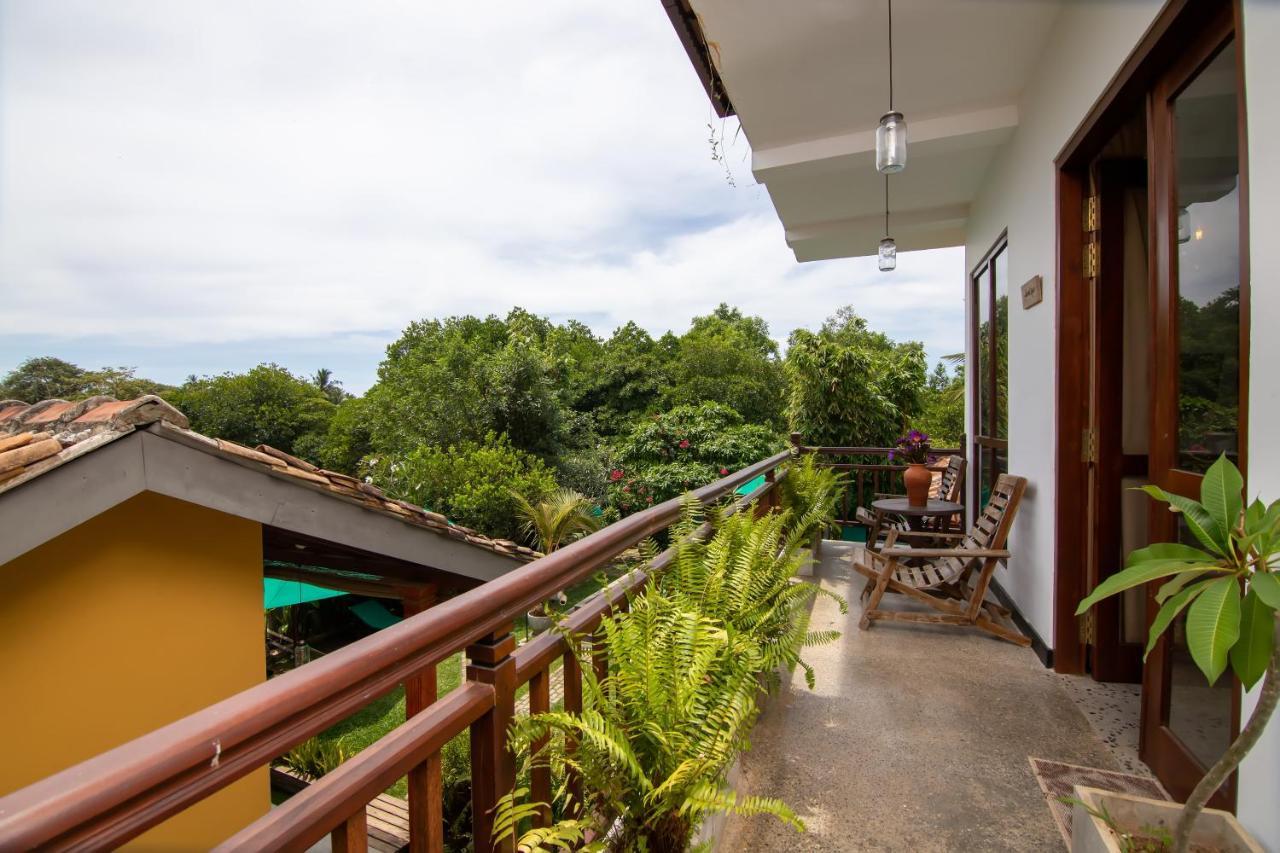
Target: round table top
(933, 507)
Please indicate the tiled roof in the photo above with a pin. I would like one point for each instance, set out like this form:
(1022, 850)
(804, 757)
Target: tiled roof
(40, 437)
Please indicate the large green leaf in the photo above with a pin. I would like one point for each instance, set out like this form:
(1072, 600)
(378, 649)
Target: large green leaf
(1251, 654)
(1267, 586)
(1168, 612)
(1199, 521)
(1172, 587)
(1136, 576)
(1222, 493)
(1168, 551)
(1213, 626)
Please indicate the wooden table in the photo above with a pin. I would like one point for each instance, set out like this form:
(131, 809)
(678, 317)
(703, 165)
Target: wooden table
(915, 515)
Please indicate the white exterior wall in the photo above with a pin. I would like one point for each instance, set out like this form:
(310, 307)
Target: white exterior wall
(1259, 801)
(1088, 44)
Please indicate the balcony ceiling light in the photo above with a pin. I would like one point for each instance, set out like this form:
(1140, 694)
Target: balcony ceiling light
(891, 135)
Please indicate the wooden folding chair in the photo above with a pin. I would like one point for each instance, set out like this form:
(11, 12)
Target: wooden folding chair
(952, 581)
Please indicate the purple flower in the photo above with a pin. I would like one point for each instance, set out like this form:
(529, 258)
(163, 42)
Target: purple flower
(890, 455)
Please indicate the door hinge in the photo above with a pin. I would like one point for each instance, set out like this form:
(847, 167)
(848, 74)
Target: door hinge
(1088, 628)
(1089, 445)
(1090, 214)
(1090, 260)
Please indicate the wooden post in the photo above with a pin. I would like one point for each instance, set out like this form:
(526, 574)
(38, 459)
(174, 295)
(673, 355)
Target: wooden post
(426, 806)
(540, 775)
(352, 835)
(572, 675)
(493, 767)
(796, 441)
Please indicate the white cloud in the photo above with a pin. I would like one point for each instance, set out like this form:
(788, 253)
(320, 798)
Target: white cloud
(204, 173)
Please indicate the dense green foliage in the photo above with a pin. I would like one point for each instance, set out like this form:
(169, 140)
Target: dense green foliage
(473, 483)
(684, 448)
(849, 386)
(658, 733)
(49, 378)
(267, 405)
(942, 414)
(466, 409)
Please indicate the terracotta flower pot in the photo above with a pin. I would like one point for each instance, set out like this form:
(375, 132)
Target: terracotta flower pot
(917, 478)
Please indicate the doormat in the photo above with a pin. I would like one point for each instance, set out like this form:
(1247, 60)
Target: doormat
(1059, 780)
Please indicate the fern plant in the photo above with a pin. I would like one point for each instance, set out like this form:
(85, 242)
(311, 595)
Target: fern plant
(810, 493)
(658, 733)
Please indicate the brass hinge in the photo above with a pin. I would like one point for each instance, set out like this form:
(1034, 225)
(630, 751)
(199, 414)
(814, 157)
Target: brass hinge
(1088, 628)
(1090, 261)
(1091, 214)
(1089, 445)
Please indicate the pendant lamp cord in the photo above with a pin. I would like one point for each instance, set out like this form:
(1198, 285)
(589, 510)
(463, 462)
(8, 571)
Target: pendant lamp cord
(890, 55)
(886, 205)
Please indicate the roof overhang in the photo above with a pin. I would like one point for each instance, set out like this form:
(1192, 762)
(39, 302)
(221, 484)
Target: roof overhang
(809, 83)
(170, 462)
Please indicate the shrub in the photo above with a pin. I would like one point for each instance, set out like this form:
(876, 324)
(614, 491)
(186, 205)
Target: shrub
(471, 483)
(682, 449)
(315, 757)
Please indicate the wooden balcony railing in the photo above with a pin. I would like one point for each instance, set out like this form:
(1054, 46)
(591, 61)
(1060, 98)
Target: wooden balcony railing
(111, 798)
(869, 471)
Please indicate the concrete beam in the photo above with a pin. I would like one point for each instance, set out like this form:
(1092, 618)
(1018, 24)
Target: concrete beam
(929, 136)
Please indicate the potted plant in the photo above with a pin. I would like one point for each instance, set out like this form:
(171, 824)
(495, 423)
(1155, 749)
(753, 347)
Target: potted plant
(1229, 587)
(554, 521)
(912, 450)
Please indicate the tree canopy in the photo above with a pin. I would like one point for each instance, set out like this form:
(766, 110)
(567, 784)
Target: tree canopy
(467, 409)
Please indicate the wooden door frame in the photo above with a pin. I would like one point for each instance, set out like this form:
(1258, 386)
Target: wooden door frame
(1180, 23)
(1124, 96)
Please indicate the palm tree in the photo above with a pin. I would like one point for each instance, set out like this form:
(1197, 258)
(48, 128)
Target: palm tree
(556, 520)
(332, 388)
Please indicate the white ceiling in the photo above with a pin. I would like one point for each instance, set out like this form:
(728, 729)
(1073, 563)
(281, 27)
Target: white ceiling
(809, 81)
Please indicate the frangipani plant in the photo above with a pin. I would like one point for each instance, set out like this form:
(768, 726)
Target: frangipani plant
(1230, 590)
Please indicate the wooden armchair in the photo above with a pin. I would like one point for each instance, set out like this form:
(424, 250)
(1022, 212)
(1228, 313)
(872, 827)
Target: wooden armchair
(951, 580)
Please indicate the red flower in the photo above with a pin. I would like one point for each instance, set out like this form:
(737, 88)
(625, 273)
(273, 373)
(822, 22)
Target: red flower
(684, 444)
(626, 488)
(724, 472)
(616, 474)
(650, 500)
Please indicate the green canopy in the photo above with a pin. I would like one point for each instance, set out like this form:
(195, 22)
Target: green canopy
(278, 593)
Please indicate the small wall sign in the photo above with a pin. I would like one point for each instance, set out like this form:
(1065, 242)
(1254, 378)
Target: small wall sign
(1032, 292)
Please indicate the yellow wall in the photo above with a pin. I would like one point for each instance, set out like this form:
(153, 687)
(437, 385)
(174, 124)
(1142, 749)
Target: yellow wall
(132, 620)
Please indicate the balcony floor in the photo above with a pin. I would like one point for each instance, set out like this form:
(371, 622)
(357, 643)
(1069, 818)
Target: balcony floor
(916, 737)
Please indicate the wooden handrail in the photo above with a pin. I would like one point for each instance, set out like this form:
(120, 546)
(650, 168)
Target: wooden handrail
(303, 820)
(115, 796)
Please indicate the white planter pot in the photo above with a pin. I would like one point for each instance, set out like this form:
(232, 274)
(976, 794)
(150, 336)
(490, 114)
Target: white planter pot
(538, 623)
(1214, 829)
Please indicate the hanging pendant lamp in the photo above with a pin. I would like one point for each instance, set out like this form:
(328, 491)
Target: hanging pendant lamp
(891, 135)
(887, 256)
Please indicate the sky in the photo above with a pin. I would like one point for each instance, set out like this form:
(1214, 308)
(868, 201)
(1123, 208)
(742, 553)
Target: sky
(198, 187)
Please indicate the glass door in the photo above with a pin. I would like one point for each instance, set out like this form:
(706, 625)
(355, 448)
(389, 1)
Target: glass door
(1198, 337)
(989, 333)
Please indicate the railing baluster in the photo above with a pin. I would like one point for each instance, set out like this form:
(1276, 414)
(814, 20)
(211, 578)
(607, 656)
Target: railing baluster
(573, 703)
(426, 808)
(493, 767)
(352, 835)
(540, 775)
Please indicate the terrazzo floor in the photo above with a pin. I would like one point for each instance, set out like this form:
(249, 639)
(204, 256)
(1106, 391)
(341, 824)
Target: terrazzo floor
(1113, 713)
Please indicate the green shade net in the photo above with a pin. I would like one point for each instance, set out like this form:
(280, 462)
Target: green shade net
(373, 614)
(278, 593)
(748, 488)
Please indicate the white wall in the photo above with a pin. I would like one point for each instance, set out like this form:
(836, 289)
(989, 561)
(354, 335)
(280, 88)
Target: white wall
(1259, 801)
(1087, 46)
(1085, 49)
